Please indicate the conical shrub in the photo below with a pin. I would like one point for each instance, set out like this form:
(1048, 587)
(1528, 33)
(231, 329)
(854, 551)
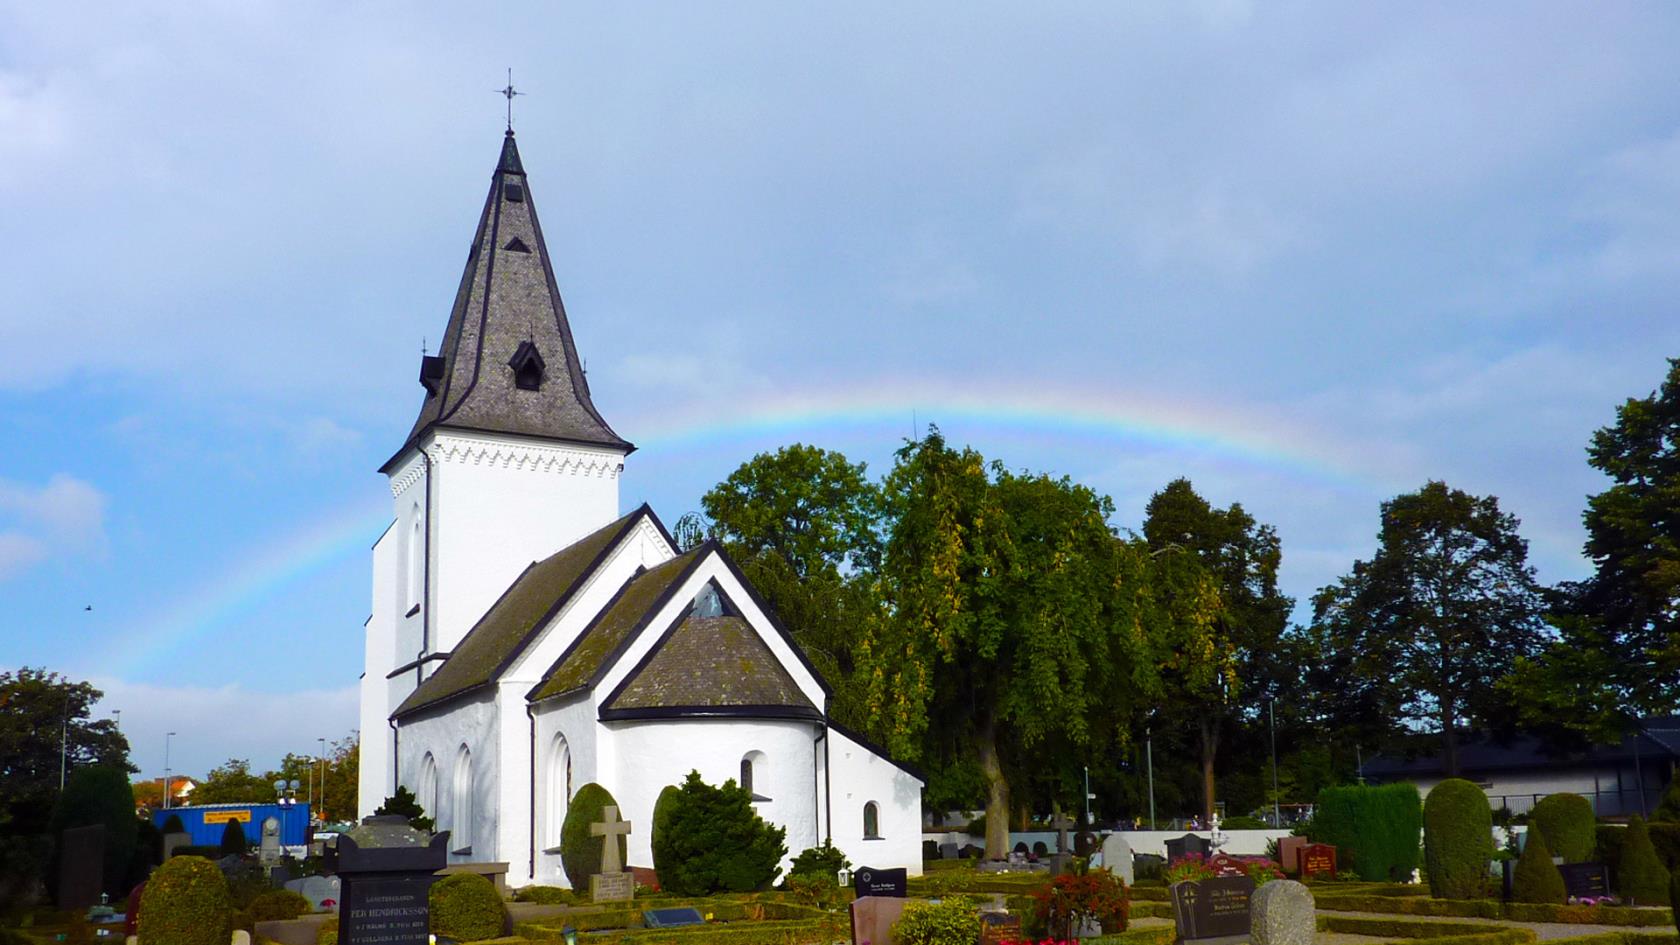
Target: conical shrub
(1641, 878)
(1537, 878)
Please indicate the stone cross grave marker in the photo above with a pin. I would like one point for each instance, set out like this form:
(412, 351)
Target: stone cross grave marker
(1282, 913)
(1062, 823)
(612, 883)
(1212, 911)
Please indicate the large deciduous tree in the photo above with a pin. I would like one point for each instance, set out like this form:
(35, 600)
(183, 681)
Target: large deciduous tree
(42, 713)
(234, 783)
(1440, 613)
(1004, 625)
(1216, 646)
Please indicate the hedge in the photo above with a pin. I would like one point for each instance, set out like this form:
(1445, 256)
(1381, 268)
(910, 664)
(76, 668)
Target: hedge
(277, 904)
(1376, 828)
(714, 841)
(580, 850)
(1438, 933)
(546, 895)
(1619, 938)
(951, 922)
(1536, 878)
(465, 906)
(1492, 909)
(1457, 839)
(1640, 876)
(186, 903)
(1664, 836)
(1568, 822)
(776, 932)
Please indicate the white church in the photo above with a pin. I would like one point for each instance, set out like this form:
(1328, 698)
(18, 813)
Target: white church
(527, 638)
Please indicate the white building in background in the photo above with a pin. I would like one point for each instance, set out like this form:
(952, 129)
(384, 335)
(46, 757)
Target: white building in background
(526, 639)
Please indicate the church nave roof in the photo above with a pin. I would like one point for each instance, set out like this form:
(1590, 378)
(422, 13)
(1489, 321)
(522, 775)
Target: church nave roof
(710, 666)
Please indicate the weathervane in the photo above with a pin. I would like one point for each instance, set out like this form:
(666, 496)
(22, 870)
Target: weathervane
(508, 93)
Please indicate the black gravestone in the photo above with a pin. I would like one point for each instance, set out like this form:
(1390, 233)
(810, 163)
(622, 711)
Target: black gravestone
(671, 918)
(386, 869)
(1585, 880)
(81, 867)
(1212, 910)
(1189, 843)
(868, 881)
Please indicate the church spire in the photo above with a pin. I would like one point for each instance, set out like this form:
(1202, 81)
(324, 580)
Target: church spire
(507, 363)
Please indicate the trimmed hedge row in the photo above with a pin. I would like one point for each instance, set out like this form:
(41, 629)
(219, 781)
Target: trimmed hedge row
(1492, 909)
(1620, 938)
(781, 932)
(1437, 933)
(1377, 828)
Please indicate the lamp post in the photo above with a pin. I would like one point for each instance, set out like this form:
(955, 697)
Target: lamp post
(1271, 731)
(322, 814)
(166, 738)
(1149, 758)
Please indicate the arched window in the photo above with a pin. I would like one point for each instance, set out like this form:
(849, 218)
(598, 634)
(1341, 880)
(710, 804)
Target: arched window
(559, 787)
(746, 774)
(755, 774)
(461, 804)
(428, 796)
(871, 821)
(416, 561)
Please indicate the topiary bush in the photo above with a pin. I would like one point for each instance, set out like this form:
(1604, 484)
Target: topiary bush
(580, 851)
(465, 907)
(1375, 828)
(1668, 809)
(1641, 878)
(820, 862)
(662, 808)
(1457, 839)
(715, 842)
(546, 895)
(185, 903)
(1568, 822)
(277, 904)
(952, 922)
(233, 839)
(1536, 878)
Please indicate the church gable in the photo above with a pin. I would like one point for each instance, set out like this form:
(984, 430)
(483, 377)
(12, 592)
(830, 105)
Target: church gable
(519, 615)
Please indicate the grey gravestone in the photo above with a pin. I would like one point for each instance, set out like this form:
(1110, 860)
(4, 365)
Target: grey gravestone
(612, 883)
(1117, 856)
(81, 867)
(949, 851)
(1061, 823)
(1585, 880)
(1212, 911)
(890, 884)
(1282, 913)
(671, 918)
(316, 889)
(1186, 845)
(386, 869)
(174, 841)
(269, 852)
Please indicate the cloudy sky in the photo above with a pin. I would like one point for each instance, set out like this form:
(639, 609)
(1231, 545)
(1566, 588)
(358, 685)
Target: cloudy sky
(1308, 255)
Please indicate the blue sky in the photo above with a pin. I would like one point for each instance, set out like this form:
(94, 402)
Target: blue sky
(1309, 255)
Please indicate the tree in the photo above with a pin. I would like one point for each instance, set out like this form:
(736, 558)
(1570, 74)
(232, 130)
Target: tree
(233, 783)
(1440, 613)
(711, 840)
(39, 712)
(405, 804)
(98, 794)
(1249, 618)
(332, 786)
(1004, 624)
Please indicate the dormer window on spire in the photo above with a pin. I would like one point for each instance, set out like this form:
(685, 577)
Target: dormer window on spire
(527, 364)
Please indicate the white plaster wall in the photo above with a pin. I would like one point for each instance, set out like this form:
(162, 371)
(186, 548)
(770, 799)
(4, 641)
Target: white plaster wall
(1516, 789)
(1238, 842)
(499, 503)
(651, 755)
(374, 776)
(574, 718)
(858, 776)
(471, 721)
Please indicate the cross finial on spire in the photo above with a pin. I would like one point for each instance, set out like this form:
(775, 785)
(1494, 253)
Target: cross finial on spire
(508, 93)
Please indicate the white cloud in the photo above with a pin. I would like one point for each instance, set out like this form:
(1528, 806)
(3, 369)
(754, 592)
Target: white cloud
(67, 515)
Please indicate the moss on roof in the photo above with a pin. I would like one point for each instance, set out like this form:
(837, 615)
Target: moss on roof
(504, 630)
(708, 663)
(578, 666)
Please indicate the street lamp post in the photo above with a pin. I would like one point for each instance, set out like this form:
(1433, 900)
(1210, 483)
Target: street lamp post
(1149, 758)
(166, 738)
(1271, 731)
(322, 815)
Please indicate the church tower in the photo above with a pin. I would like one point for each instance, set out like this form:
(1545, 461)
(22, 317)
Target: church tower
(508, 462)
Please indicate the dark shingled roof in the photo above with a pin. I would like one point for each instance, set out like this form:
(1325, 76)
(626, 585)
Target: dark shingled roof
(710, 666)
(513, 620)
(1657, 740)
(592, 653)
(508, 297)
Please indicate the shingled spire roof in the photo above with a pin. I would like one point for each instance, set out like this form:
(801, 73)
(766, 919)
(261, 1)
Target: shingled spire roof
(507, 363)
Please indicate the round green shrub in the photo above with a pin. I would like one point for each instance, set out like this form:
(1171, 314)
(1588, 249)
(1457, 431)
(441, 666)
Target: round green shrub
(580, 850)
(1457, 839)
(1568, 822)
(327, 934)
(277, 904)
(186, 903)
(545, 895)
(667, 802)
(465, 907)
(1641, 878)
(951, 922)
(819, 862)
(715, 841)
(1536, 878)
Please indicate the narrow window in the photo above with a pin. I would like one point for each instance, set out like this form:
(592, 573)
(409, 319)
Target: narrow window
(428, 796)
(416, 562)
(528, 367)
(462, 805)
(746, 774)
(559, 787)
(871, 821)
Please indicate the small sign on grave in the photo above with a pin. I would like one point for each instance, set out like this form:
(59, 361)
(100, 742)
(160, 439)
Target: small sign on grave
(1224, 864)
(671, 918)
(1585, 880)
(1318, 859)
(893, 883)
(1212, 911)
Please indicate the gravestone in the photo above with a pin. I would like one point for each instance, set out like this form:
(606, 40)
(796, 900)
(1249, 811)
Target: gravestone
(386, 869)
(175, 841)
(81, 867)
(873, 918)
(1212, 911)
(1585, 880)
(1184, 846)
(999, 927)
(1021, 848)
(949, 851)
(1318, 859)
(1282, 913)
(1117, 856)
(1224, 864)
(319, 890)
(1289, 854)
(269, 852)
(672, 918)
(1061, 823)
(612, 883)
(893, 883)
(971, 852)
